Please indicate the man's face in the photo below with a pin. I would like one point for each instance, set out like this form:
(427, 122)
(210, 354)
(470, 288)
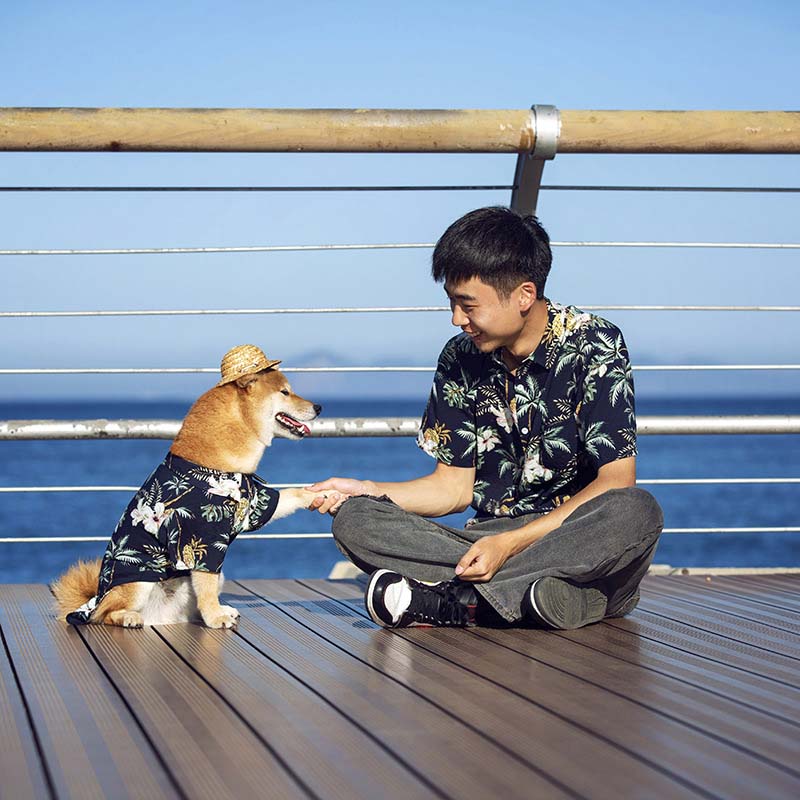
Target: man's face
(489, 320)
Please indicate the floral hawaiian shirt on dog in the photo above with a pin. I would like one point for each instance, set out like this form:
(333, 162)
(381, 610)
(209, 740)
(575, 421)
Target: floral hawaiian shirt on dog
(183, 518)
(537, 436)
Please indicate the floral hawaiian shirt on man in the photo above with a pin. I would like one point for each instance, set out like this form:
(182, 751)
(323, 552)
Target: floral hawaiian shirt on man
(538, 435)
(183, 518)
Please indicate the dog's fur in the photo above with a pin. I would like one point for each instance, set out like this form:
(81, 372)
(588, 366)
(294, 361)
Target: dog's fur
(226, 429)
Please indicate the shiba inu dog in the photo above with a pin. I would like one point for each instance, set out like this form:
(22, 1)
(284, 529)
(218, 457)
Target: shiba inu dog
(163, 563)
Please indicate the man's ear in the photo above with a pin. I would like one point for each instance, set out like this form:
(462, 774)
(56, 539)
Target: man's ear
(527, 296)
(246, 380)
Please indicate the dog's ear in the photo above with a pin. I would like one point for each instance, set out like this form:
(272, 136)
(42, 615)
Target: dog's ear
(247, 380)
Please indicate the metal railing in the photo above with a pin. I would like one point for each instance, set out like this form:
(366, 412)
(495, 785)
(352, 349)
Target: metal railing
(339, 427)
(532, 136)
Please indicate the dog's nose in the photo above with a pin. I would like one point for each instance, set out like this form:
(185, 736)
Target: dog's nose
(318, 408)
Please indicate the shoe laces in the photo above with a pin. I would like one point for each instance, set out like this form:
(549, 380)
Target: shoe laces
(446, 603)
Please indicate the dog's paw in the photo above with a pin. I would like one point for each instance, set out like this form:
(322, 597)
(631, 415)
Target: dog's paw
(231, 610)
(226, 617)
(132, 619)
(305, 498)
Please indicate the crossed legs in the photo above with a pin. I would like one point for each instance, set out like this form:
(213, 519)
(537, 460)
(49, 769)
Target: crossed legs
(607, 543)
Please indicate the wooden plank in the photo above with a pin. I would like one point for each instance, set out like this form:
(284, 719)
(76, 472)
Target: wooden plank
(740, 589)
(524, 728)
(771, 739)
(21, 766)
(336, 758)
(776, 699)
(781, 584)
(90, 742)
(448, 751)
(778, 646)
(211, 751)
(523, 666)
(701, 593)
(708, 645)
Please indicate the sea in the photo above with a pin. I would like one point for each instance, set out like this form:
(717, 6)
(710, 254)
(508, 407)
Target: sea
(128, 463)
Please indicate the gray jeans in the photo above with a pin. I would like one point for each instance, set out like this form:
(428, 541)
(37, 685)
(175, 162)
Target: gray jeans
(608, 543)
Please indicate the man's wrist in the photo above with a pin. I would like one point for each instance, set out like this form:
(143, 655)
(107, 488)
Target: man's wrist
(518, 540)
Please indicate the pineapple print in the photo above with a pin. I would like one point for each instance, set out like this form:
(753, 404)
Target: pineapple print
(188, 556)
(438, 435)
(557, 328)
(193, 552)
(241, 513)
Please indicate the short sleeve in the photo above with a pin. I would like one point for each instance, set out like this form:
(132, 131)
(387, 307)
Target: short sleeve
(263, 504)
(607, 414)
(447, 429)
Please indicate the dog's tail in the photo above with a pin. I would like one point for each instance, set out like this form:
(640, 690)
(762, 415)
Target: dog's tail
(76, 586)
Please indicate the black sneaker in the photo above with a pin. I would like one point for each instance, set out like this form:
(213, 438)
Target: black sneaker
(394, 601)
(626, 607)
(563, 605)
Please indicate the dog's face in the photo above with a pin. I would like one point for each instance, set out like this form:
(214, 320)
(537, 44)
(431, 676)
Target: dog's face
(274, 408)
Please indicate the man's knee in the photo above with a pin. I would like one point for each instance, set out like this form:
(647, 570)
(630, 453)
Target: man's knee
(355, 520)
(639, 509)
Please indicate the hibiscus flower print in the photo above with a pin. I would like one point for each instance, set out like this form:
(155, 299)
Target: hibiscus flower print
(534, 471)
(487, 439)
(151, 518)
(225, 487)
(504, 417)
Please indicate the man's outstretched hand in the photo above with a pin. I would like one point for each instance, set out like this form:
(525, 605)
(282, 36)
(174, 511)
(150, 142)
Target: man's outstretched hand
(337, 490)
(483, 559)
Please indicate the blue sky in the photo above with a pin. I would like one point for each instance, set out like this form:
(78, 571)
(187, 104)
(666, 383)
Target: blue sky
(681, 55)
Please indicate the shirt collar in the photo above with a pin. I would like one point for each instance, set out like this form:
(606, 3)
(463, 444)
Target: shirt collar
(540, 354)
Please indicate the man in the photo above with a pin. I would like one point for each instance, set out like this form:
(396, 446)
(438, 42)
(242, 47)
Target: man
(531, 421)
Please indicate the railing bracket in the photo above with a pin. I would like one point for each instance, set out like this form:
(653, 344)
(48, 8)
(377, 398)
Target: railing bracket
(546, 124)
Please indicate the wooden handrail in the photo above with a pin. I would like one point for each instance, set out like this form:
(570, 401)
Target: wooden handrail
(392, 131)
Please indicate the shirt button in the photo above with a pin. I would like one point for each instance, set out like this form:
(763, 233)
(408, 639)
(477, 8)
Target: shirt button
(523, 431)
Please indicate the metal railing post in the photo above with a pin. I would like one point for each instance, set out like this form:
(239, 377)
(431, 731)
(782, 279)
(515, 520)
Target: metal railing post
(546, 124)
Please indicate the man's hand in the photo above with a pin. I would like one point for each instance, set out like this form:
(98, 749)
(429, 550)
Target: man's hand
(337, 491)
(483, 559)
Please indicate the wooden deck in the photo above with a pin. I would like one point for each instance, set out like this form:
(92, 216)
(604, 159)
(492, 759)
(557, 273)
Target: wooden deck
(696, 694)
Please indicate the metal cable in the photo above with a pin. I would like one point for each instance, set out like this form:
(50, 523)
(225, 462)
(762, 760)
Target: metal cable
(430, 188)
(714, 481)
(732, 530)
(22, 489)
(439, 188)
(246, 249)
(125, 251)
(187, 312)
(214, 370)
(647, 482)
(51, 539)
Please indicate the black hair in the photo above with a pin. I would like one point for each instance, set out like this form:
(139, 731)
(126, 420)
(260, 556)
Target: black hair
(496, 244)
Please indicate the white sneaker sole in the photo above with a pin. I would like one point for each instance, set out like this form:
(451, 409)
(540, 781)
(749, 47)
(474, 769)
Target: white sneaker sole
(368, 596)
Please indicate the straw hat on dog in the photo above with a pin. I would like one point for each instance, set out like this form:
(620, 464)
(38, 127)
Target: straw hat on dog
(244, 359)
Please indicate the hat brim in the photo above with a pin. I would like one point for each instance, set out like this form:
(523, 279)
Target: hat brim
(270, 364)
